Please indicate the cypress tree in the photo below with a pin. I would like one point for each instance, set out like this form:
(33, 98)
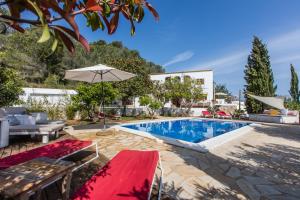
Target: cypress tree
(258, 76)
(294, 88)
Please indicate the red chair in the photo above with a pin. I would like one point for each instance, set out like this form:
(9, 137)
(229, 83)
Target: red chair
(58, 150)
(206, 114)
(222, 114)
(129, 175)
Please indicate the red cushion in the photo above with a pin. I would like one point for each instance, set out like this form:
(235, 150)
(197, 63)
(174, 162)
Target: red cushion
(54, 150)
(205, 112)
(128, 175)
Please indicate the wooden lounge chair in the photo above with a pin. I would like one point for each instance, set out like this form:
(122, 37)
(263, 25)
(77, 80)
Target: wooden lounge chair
(129, 175)
(58, 150)
(206, 114)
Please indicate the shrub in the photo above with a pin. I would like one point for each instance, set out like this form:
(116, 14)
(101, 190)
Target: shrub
(70, 112)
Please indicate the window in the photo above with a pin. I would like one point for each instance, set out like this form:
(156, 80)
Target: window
(200, 81)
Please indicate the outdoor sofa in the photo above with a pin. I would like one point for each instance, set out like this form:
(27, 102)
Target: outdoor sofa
(21, 123)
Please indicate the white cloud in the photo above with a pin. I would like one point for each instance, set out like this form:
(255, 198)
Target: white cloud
(180, 58)
(226, 64)
(287, 41)
(286, 59)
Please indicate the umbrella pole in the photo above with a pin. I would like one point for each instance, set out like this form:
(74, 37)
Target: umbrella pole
(102, 87)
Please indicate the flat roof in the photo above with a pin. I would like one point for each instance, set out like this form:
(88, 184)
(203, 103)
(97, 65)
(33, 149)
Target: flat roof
(204, 70)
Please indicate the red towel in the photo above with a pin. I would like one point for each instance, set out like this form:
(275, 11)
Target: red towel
(54, 150)
(128, 176)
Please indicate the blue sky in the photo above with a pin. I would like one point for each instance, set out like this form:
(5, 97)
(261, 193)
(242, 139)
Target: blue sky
(215, 34)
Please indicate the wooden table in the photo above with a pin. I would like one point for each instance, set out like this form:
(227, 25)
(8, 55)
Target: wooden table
(30, 178)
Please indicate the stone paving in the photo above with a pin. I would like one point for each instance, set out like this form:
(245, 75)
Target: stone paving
(264, 164)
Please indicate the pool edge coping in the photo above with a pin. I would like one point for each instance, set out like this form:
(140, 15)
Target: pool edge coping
(203, 146)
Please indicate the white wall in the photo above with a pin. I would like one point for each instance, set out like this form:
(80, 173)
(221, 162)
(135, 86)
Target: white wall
(52, 95)
(207, 75)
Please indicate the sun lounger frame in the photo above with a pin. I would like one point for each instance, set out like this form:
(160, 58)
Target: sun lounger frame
(88, 161)
(159, 165)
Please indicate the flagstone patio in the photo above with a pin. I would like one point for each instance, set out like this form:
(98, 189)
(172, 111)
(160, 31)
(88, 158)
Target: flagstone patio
(264, 164)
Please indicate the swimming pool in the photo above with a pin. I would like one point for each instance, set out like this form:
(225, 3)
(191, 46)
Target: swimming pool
(189, 130)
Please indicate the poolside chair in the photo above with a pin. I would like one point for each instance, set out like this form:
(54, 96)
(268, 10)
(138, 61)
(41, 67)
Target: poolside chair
(223, 115)
(206, 114)
(58, 150)
(129, 175)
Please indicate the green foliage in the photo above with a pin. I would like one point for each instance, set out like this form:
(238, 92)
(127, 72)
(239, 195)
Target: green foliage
(70, 112)
(213, 110)
(292, 105)
(4, 29)
(55, 111)
(151, 104)
(294, 88)
(237, 113)
(37, 62)
(221, 88)
(90, 95)
(33, 105)
(52, 81)
(183, 93)
(145, 100)
(258, 76)
(10, 87)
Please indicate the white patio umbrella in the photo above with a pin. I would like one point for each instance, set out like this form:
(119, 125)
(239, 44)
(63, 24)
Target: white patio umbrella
(221, 94)
(98, 73)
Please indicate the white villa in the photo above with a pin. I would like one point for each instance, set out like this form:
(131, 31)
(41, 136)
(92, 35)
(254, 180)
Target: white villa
(204, 78)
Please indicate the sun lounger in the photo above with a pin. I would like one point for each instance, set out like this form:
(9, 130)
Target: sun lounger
(129, 175)
(222, 114)
(58, 150)
(206, 114)
(45, 130)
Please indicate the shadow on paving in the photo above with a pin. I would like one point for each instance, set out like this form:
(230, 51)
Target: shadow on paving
(95, 125)
(290, 132)
(271, 171)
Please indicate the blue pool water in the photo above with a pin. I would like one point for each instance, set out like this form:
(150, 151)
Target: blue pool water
(190, 130)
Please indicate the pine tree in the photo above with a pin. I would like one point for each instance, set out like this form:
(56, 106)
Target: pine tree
(294, 89)
(258, 76)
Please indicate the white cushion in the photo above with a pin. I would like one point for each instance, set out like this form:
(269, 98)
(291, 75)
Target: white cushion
(25, 119)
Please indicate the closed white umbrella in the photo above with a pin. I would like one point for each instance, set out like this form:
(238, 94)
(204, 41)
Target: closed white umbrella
(98, 73)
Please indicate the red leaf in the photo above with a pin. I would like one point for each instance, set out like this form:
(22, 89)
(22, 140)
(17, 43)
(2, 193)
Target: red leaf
(152, 10)
(81, 39)
(106, 23)
(93, 5)
(114, 23)
(70, 19)
(66, 40)
(125, 13)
